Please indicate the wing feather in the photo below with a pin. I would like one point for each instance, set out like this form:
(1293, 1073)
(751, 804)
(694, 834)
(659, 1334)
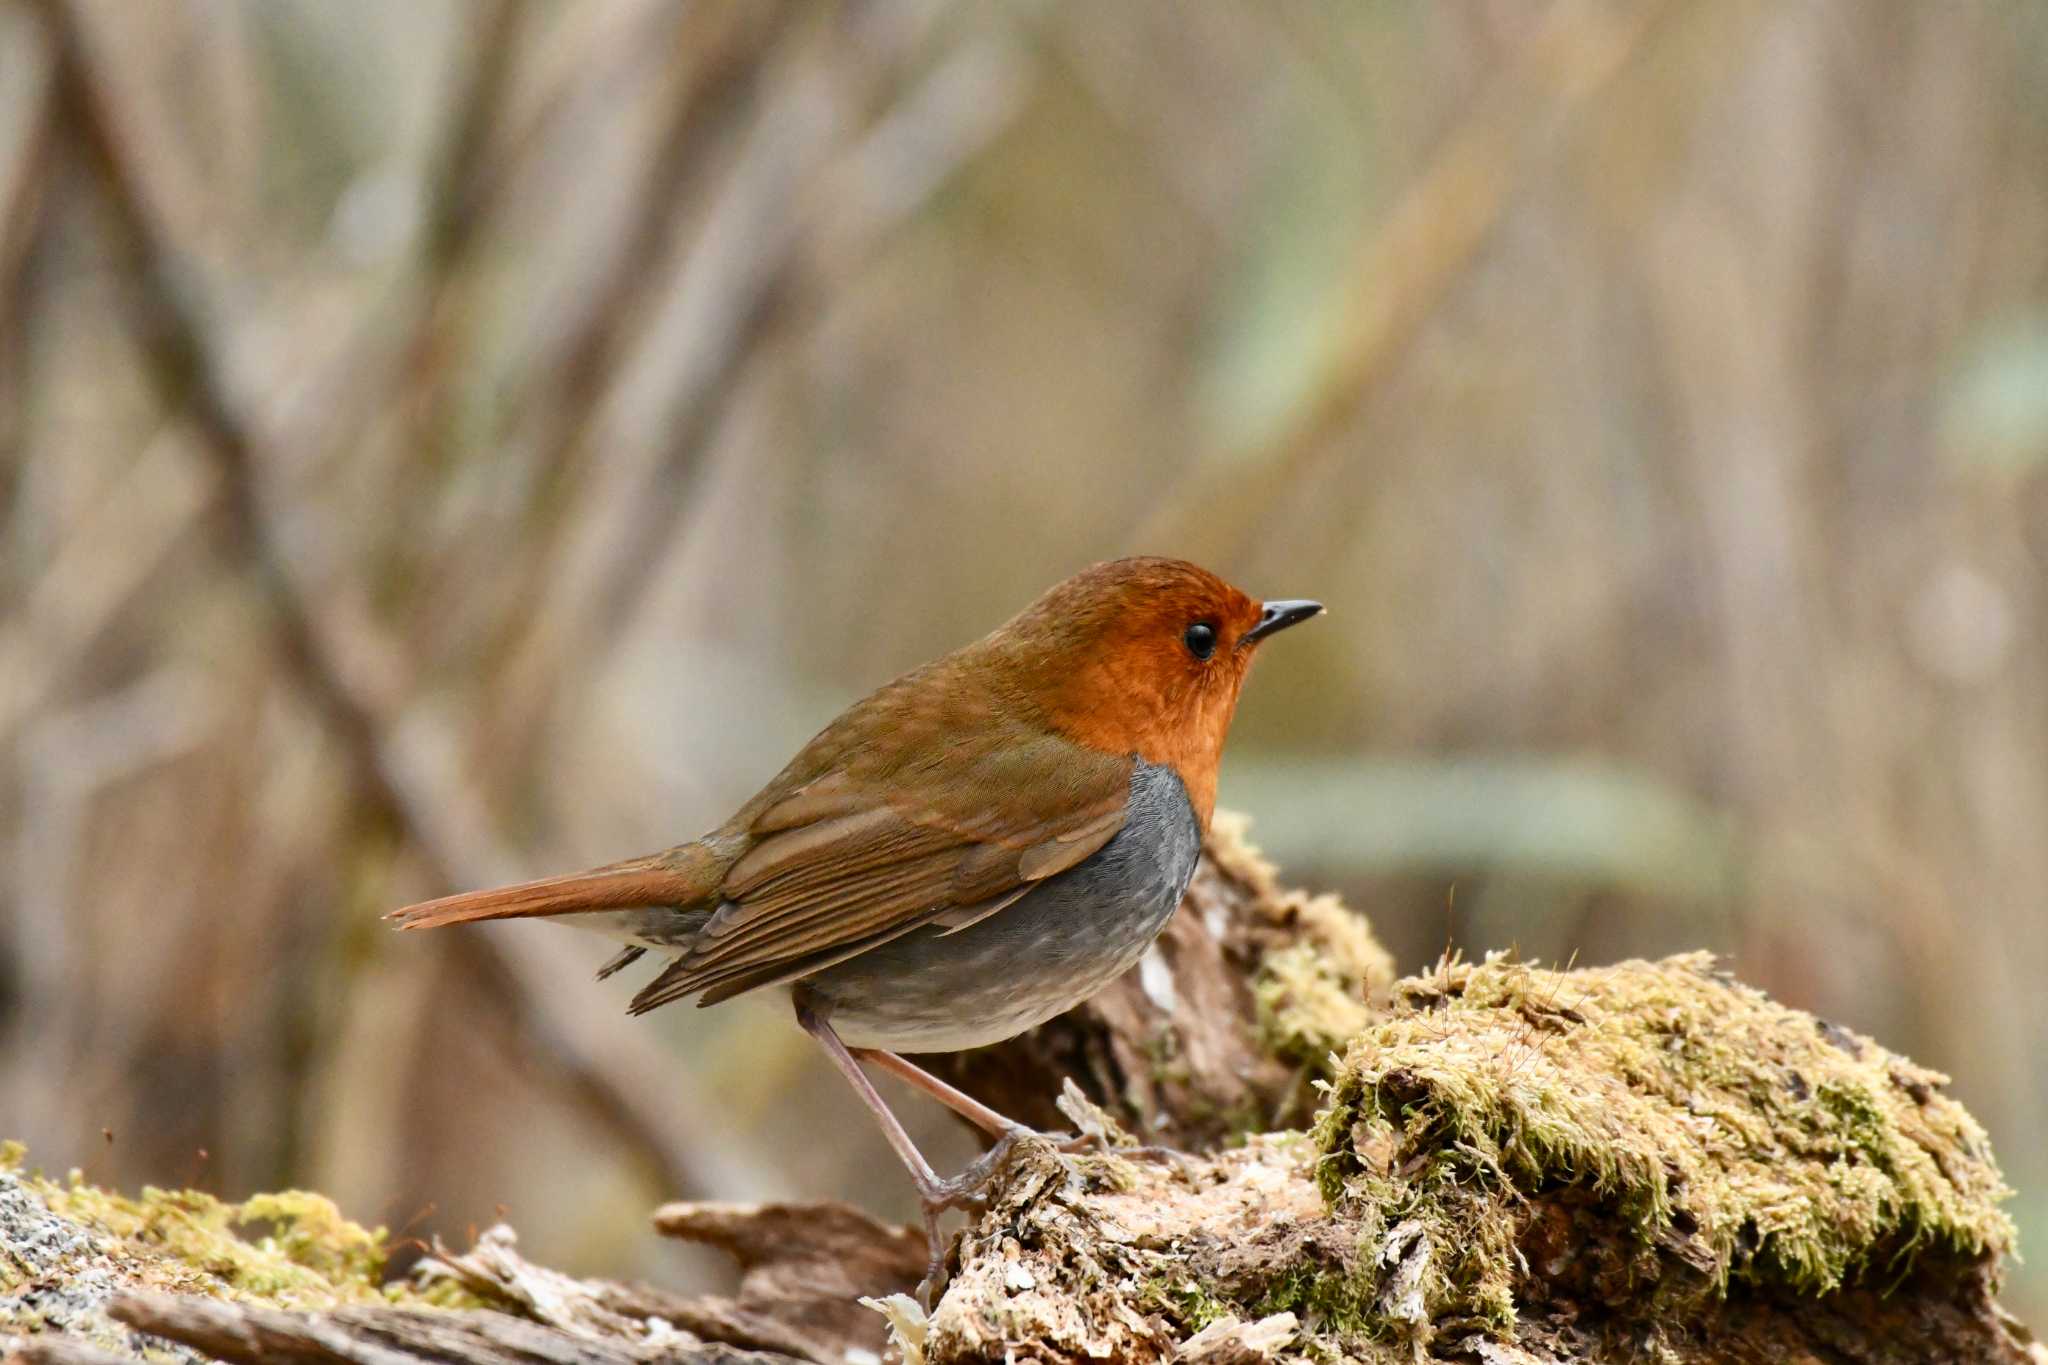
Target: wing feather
(676, 982)
(842, 865)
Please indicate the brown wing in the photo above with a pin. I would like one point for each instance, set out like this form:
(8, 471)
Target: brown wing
(845, 862)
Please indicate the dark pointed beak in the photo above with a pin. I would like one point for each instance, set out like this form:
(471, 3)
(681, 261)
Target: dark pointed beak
(1277, 616)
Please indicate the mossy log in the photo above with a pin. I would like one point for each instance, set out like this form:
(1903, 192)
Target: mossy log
(1489, 1162)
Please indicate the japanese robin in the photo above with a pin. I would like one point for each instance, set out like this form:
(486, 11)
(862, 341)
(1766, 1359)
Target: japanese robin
(976, 847)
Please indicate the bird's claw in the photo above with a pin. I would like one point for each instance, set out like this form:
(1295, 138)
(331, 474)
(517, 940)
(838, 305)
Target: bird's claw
(935, 1255)
(1099, 1144)
(969, 1189)
(1090, 1143)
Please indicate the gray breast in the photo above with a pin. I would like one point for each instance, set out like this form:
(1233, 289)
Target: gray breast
(1060, 943)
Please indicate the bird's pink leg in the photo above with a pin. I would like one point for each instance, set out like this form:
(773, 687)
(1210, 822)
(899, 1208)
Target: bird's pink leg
(928, 1184)
(934, 1195)
(1007, 1132)
(961, 1103)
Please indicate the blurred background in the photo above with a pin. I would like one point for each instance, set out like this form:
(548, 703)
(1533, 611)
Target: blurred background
(444, 442)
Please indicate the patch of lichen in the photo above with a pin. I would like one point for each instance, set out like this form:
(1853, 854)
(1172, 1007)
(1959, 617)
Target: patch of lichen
(1747, 1142)
(291, 1249)
(1316, 979)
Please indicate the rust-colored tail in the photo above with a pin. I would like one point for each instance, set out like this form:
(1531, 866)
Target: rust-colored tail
(673, 878)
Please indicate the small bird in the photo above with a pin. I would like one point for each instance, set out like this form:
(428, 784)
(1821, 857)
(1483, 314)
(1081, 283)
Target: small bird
(976, 847)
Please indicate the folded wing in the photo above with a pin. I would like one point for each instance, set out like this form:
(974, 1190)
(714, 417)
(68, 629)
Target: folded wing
(842, 864)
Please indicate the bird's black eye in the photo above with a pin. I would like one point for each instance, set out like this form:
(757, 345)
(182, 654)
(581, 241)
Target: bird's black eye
(1200, 639)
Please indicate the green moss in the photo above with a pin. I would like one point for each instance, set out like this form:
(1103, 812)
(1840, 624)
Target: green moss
(1186, 1302)
(1105, 1169)
(1339, 1305)
(292, 1249)
(1308, 1005)
(1754, 1143)
(1320, 968)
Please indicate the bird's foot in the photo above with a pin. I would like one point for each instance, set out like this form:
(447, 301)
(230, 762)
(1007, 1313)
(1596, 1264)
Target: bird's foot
(935, 1254)
(967, 1190)
(974, 1181)
(1097, 1131)
(1092, 1142)
(971, 1184)
(1098, 1144)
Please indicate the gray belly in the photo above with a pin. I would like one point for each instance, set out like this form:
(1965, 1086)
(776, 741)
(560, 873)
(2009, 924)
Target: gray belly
(931, 991)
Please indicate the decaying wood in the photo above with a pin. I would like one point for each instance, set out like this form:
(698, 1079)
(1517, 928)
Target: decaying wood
(805, 1267)
(1102, 1258)
(55, 1349)
(494, 1272)
(382, 1336)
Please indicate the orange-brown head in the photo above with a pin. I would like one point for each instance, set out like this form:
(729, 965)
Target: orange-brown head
(1142, 656)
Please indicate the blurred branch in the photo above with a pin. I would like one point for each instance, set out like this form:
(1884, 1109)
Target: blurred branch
(881, 182)
(624, 1093)
(24, 168)
(575, 367)
(24, 176)
(566, 76)
(765, 257)
(453, 217)
(1404, 270)
(369, 362)
(83, 589)
(163, 173)
(67, 761)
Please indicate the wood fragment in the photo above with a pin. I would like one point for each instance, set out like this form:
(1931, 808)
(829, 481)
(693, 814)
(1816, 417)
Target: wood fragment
(494, 1271)
(260, 1335)
(806, 1266)
(58, 1349)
